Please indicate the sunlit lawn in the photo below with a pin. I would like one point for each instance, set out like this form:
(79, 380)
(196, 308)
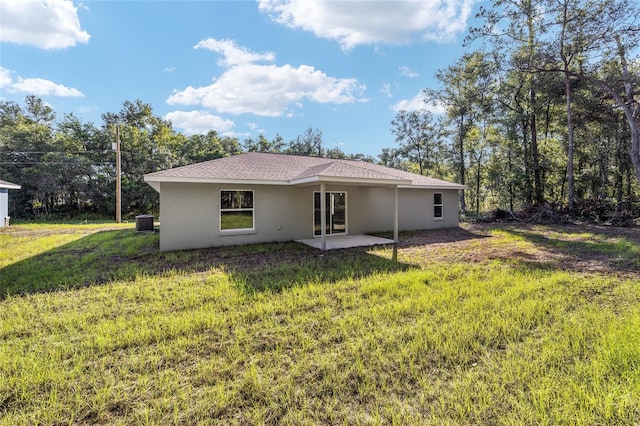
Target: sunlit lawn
(483, 325)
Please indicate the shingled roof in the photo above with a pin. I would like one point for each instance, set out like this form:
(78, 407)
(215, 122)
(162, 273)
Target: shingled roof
(281, 169)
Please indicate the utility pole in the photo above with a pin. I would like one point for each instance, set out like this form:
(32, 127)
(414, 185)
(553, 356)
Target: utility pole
(118, 179)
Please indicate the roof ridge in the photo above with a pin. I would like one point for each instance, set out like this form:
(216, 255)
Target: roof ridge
(346, 169)
(379, 169)
(307, 172)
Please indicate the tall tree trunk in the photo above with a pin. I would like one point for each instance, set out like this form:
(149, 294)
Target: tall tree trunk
(632, 111)
(478, 176)
(461, 135)
(535, 154)
(510, 168)
(603, 174)
(567, 89)
(626, 102)
(619, 170)
(527, 160)
(570, 143)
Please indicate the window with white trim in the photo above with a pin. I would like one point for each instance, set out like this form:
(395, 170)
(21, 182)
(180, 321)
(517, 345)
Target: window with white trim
(437, 205)
(236, 210)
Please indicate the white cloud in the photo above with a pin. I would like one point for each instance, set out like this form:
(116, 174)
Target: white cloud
(36, 86)
(436, 108)
(170, 69)
(5, 77)
(87, 109)
(378, 50)
(233, 54)
(417, 103)
(408, 72)
(355, 23)
(42, 87)
(386, 90)
(47, 24)
(264, 89)
(198, 122)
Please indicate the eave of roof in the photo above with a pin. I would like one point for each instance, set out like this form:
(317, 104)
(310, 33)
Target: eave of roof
(295, 182)
(349, 181)
(179, 179)
(450, 186)
(8, 185)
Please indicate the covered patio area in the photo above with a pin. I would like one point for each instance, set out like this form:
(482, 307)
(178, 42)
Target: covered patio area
(345, 241)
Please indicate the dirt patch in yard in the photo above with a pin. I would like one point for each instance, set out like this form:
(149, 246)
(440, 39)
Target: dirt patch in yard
(586, 248)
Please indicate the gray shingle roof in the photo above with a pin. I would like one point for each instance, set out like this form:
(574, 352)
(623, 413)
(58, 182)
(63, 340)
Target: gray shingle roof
(342, 169)
(291, 169)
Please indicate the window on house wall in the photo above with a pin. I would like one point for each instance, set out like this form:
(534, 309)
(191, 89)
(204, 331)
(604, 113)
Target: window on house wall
(236, 210)
(437, 205)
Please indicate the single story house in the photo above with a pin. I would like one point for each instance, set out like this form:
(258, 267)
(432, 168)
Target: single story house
(264, 197)
(4, 201)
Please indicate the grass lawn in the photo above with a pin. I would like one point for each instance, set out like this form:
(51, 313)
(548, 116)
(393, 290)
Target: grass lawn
(486, 324)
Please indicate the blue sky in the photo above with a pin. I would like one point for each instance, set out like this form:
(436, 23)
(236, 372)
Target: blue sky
(242, 68)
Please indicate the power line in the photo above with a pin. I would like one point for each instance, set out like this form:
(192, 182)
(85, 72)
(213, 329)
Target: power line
(59, 152)
(32, 163)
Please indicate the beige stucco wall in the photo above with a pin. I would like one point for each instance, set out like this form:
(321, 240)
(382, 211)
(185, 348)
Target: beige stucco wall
(189, 213)
(415, 209)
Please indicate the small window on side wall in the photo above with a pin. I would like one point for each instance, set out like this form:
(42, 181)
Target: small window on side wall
(236, 210)
(437, 206)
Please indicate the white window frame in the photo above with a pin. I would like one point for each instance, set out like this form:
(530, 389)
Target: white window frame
(441, 205)
(245, 209)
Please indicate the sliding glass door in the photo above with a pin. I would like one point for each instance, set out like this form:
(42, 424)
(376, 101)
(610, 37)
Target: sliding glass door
(335, 213)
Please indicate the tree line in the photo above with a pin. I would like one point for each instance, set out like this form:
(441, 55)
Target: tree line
(544, 111)
(67, 167)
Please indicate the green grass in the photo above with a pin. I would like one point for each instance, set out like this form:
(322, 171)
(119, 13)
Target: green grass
(100, 328)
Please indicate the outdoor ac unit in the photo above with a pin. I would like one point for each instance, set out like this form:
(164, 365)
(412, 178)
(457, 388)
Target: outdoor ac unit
(144, 223)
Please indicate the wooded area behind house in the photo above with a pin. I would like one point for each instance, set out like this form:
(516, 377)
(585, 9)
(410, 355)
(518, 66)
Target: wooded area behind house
(541, 111)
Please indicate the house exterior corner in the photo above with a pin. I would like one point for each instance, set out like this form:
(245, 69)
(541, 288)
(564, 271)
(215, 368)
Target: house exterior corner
(4, 201)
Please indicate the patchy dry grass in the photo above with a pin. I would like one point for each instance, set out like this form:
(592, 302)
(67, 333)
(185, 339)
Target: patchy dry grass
(481, 325)
(607, 250)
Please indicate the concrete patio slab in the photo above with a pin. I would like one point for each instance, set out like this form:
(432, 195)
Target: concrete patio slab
(346, 241)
